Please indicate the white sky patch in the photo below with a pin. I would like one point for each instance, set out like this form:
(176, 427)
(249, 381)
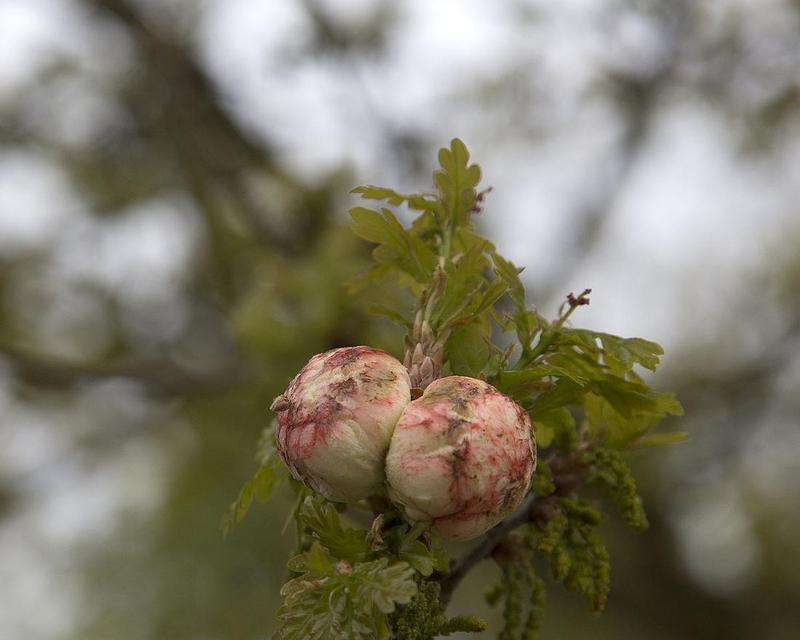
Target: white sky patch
(773, 446)
(73, 506)
(450, 40)
(27, 33)
(245, 45)
(27, 441)
(692, 200)
(33, 33)
(536, 191)
(241, 43)
(141, 255)
(36, 201)
(692, 224)
(68, 502)
(29, 576)
(141, 258)
(71, 112)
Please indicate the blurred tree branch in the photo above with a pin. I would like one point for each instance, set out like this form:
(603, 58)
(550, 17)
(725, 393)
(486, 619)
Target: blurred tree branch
(159, 375)
(218, 159)
(757, 373)
(749, 388)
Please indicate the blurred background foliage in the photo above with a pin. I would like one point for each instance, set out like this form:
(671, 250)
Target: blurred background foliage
(173, 177)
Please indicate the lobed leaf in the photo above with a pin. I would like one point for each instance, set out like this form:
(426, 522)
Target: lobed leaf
(344, 543)
(456, 182)
(509, 273)
(391, 314)
(397, 246)
(414, 201)
(661, 439)
(469, 348)
(332, 601)
(619, 354)
(622, 412)
(388, 584)
(261, 486)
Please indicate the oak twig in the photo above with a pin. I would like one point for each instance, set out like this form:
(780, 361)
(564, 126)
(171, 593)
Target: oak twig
(161, 376)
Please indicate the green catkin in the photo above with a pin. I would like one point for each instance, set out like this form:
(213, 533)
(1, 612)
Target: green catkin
(581, 512)
(576, 552)
(522, 593)
(602, 571)
(533, 622)
(542, 483)
(549, 538)
(462, 624)
(566, 440)
(495, 595)
(615, 476)
(512, 611)
(421, 618)
(424, 619)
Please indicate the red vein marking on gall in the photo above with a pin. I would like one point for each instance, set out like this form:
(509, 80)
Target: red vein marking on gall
(461, 457)
(336, 418)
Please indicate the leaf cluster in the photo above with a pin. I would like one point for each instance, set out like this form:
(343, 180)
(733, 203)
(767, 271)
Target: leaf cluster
(349, 581)
(466, 287)
(590, 372)
(440, 258)
(333, 599)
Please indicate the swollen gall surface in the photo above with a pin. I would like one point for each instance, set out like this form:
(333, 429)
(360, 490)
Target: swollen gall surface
(461, 457)
(336, 418)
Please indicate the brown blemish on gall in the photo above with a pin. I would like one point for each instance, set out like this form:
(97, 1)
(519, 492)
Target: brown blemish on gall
(341, 390)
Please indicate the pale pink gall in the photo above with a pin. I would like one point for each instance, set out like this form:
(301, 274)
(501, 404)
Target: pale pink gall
(461, 457)
(336, 418)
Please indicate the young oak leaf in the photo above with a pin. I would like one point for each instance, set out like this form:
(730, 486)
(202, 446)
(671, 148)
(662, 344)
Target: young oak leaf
(456, 181)
(397, 246)
(344, 601)
(415, 201)
(344, 543)
(261, 486)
